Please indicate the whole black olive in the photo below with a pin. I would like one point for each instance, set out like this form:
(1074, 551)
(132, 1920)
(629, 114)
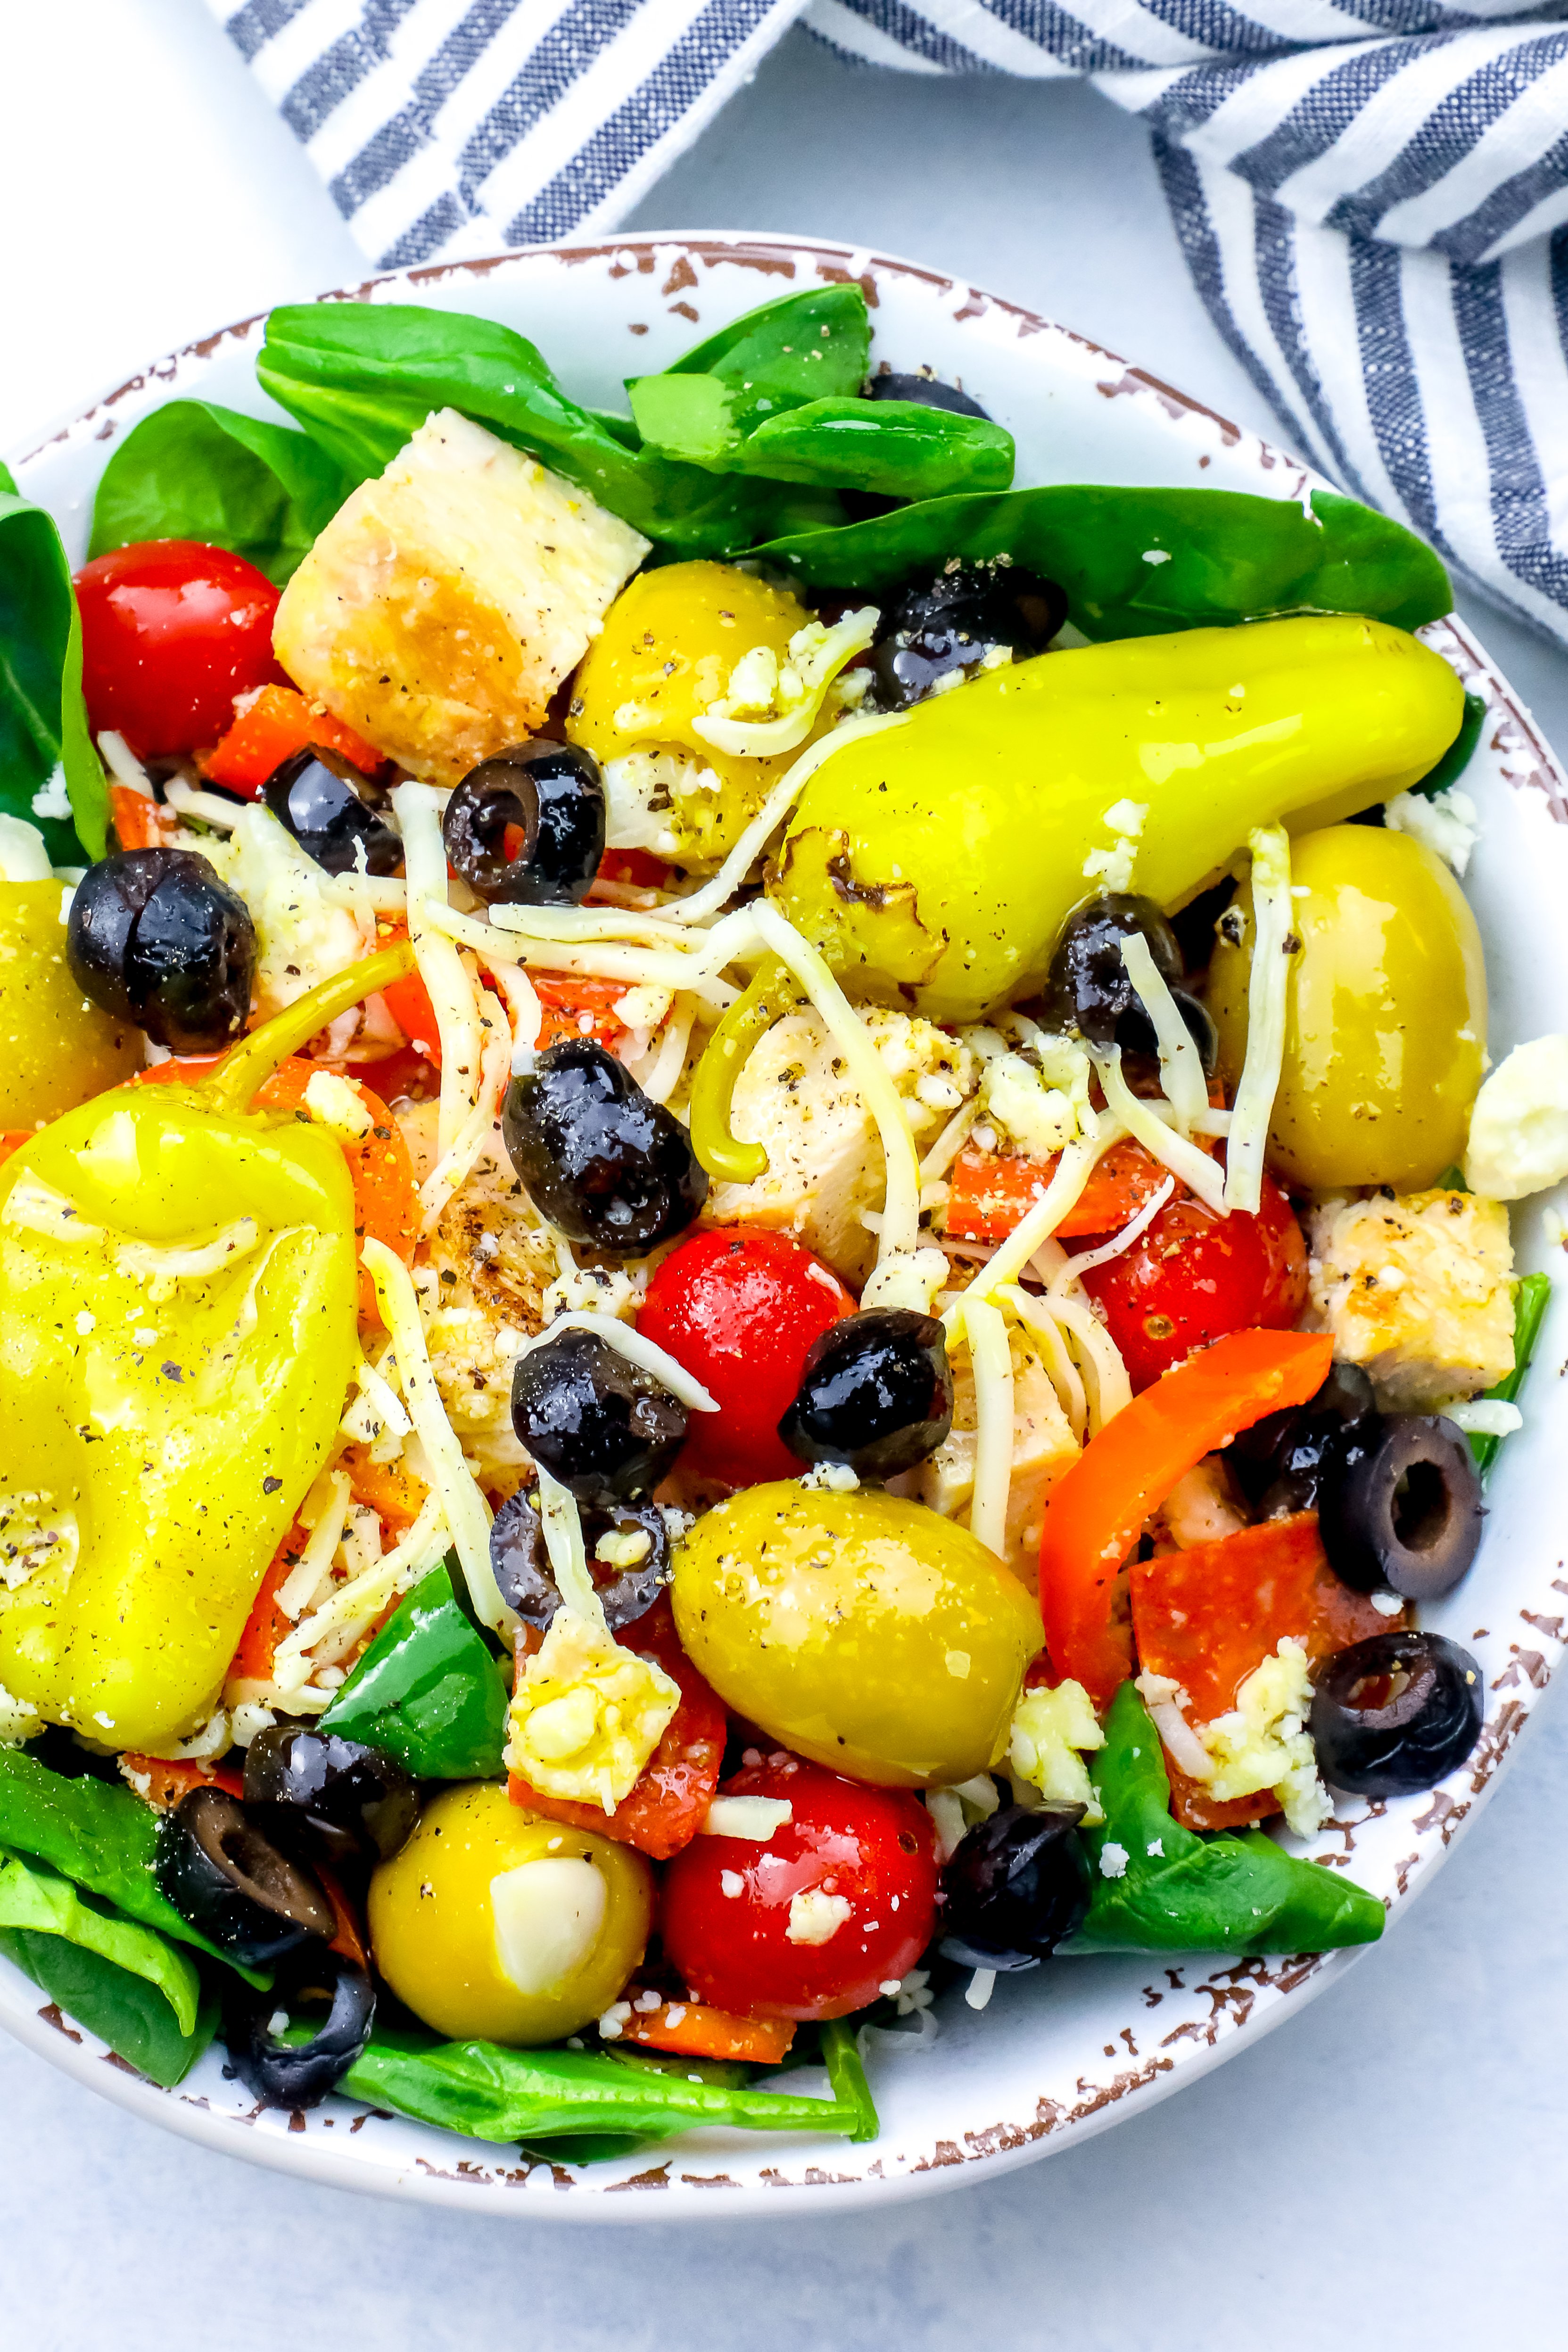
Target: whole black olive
(1088, 989)
(608, 1167)
(952, 622)
(224, 1875)
(1136, 1033)
(284, 2074)
(354, 1799)
(926, 392)
(1404, 1509)
(876, 1393)
(555, 795)
(1408, 1740)
(527, 1582)
(154, 937)
(317, 799)
(1017, 1887)
(1282, 1461)
(595, 1420)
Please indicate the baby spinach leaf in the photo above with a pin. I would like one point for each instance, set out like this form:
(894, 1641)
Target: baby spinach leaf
(535, 2095)
(100, 1837)
(46, 1904)
(427, 1690)
(1460, 752)
(1159, 1887)
(1532, 1297)
(44, 737)
(846, 2075)
(122, 2010)
(192, 470)
(361, 378)
(807, 346)
(1141, 562)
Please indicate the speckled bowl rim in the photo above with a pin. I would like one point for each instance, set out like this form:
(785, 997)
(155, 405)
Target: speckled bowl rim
(1206, 2020)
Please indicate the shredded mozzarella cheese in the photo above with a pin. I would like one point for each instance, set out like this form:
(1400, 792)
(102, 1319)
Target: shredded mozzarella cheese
(1195, 1168)
(1005, 1265)
(636, 1350)
(1274, 944)
(797, 691)
(562, 1527)
(495, 1070)
(1181, 1067)
(418, 808)
(467, 1514)
(992, 1360)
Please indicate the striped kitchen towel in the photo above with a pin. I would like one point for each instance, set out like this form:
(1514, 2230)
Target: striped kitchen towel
(1372, 194)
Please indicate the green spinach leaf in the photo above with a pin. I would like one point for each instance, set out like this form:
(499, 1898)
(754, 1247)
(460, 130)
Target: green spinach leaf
(192, 470)
(125, 2011)
(43, 719)
(46, 1904)
(1532, 1297)
(1141, 562)
(98, 1836)
(1159, 1887)
(811, 346)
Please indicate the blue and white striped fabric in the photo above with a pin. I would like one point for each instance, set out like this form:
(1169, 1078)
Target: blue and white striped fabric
(1372, 194)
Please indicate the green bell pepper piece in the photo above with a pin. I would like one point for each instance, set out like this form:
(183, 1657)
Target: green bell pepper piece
(427, 1691)
(1227, 555)
(125, 2011)
(98, 1837)
(43, 1903)
(1531, 1294)
(1177, 1891)
(493, 2094)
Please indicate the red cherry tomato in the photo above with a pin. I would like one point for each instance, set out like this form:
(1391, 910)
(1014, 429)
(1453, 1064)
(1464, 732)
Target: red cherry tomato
(171, 632)
(739, 1309)
(853, 1872)
(1192, 1276)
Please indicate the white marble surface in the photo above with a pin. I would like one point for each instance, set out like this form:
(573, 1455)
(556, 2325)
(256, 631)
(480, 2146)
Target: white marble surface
(1388, 2172)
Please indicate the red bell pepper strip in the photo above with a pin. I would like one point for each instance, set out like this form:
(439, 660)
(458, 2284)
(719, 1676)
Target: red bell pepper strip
(161, 1780)
(990, 1194)
(691, 2030)
(135, 818)
(668, 1805)
(1094, 1513)
(266, 1626)
(278, 723)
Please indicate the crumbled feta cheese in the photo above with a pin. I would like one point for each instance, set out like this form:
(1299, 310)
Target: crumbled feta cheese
(1388, 1604)
(1518, 1127)
(830, 1477)
(1486, 1417)
(548, 1916)
(1446, 822)
(586, 1715)
(746, 1817)
(730, 1883)
(86, 1321)
(1052, 1731)
(623, 1548)
(339, 1105)
(52, 799)
(1264, 1742)
(1040, 1120)
(1113, 1860)
(1445, 1329)
(816, 1918)
(1112, 868)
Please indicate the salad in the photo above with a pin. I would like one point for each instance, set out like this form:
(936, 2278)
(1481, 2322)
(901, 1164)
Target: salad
(754, 1245)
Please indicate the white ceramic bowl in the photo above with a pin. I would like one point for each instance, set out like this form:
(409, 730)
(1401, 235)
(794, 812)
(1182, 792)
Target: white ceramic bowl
(1070, 2049)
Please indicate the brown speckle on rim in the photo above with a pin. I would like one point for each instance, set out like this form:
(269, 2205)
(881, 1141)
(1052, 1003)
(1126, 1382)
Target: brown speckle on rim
(681, 278)
(658, 2177)
(51, 2016)
(685, 311)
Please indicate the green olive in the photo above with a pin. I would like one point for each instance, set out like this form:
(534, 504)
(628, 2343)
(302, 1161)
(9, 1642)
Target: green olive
(1385, 1039)
(860, 1630)
(494, 1923)
(55, 1049)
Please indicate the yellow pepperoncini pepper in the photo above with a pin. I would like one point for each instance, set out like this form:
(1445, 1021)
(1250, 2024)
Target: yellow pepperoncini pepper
(935, 863)
(180, 1290)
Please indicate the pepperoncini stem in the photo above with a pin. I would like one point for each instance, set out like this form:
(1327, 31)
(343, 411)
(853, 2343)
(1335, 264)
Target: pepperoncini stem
(768, 996)
(237, 1079)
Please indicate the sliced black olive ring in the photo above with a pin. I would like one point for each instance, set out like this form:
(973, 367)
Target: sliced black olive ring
(1404, 1508)
(876, 1393)
(301, 2074)
(1016, 1887)
(1405, 1741)
(354, 1800)
(1284, 1460)
(527, 1582)
(553, 795)
(224, 1875)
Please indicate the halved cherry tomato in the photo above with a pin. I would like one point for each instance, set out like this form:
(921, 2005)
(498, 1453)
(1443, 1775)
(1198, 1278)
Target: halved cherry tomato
(1208, 1617)
(666, 1807)
(271, 729)
(171, 630)
(739, 1308)
(691, 2030)
(990, 1194)
(814, 1920)
(1192, 1275)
